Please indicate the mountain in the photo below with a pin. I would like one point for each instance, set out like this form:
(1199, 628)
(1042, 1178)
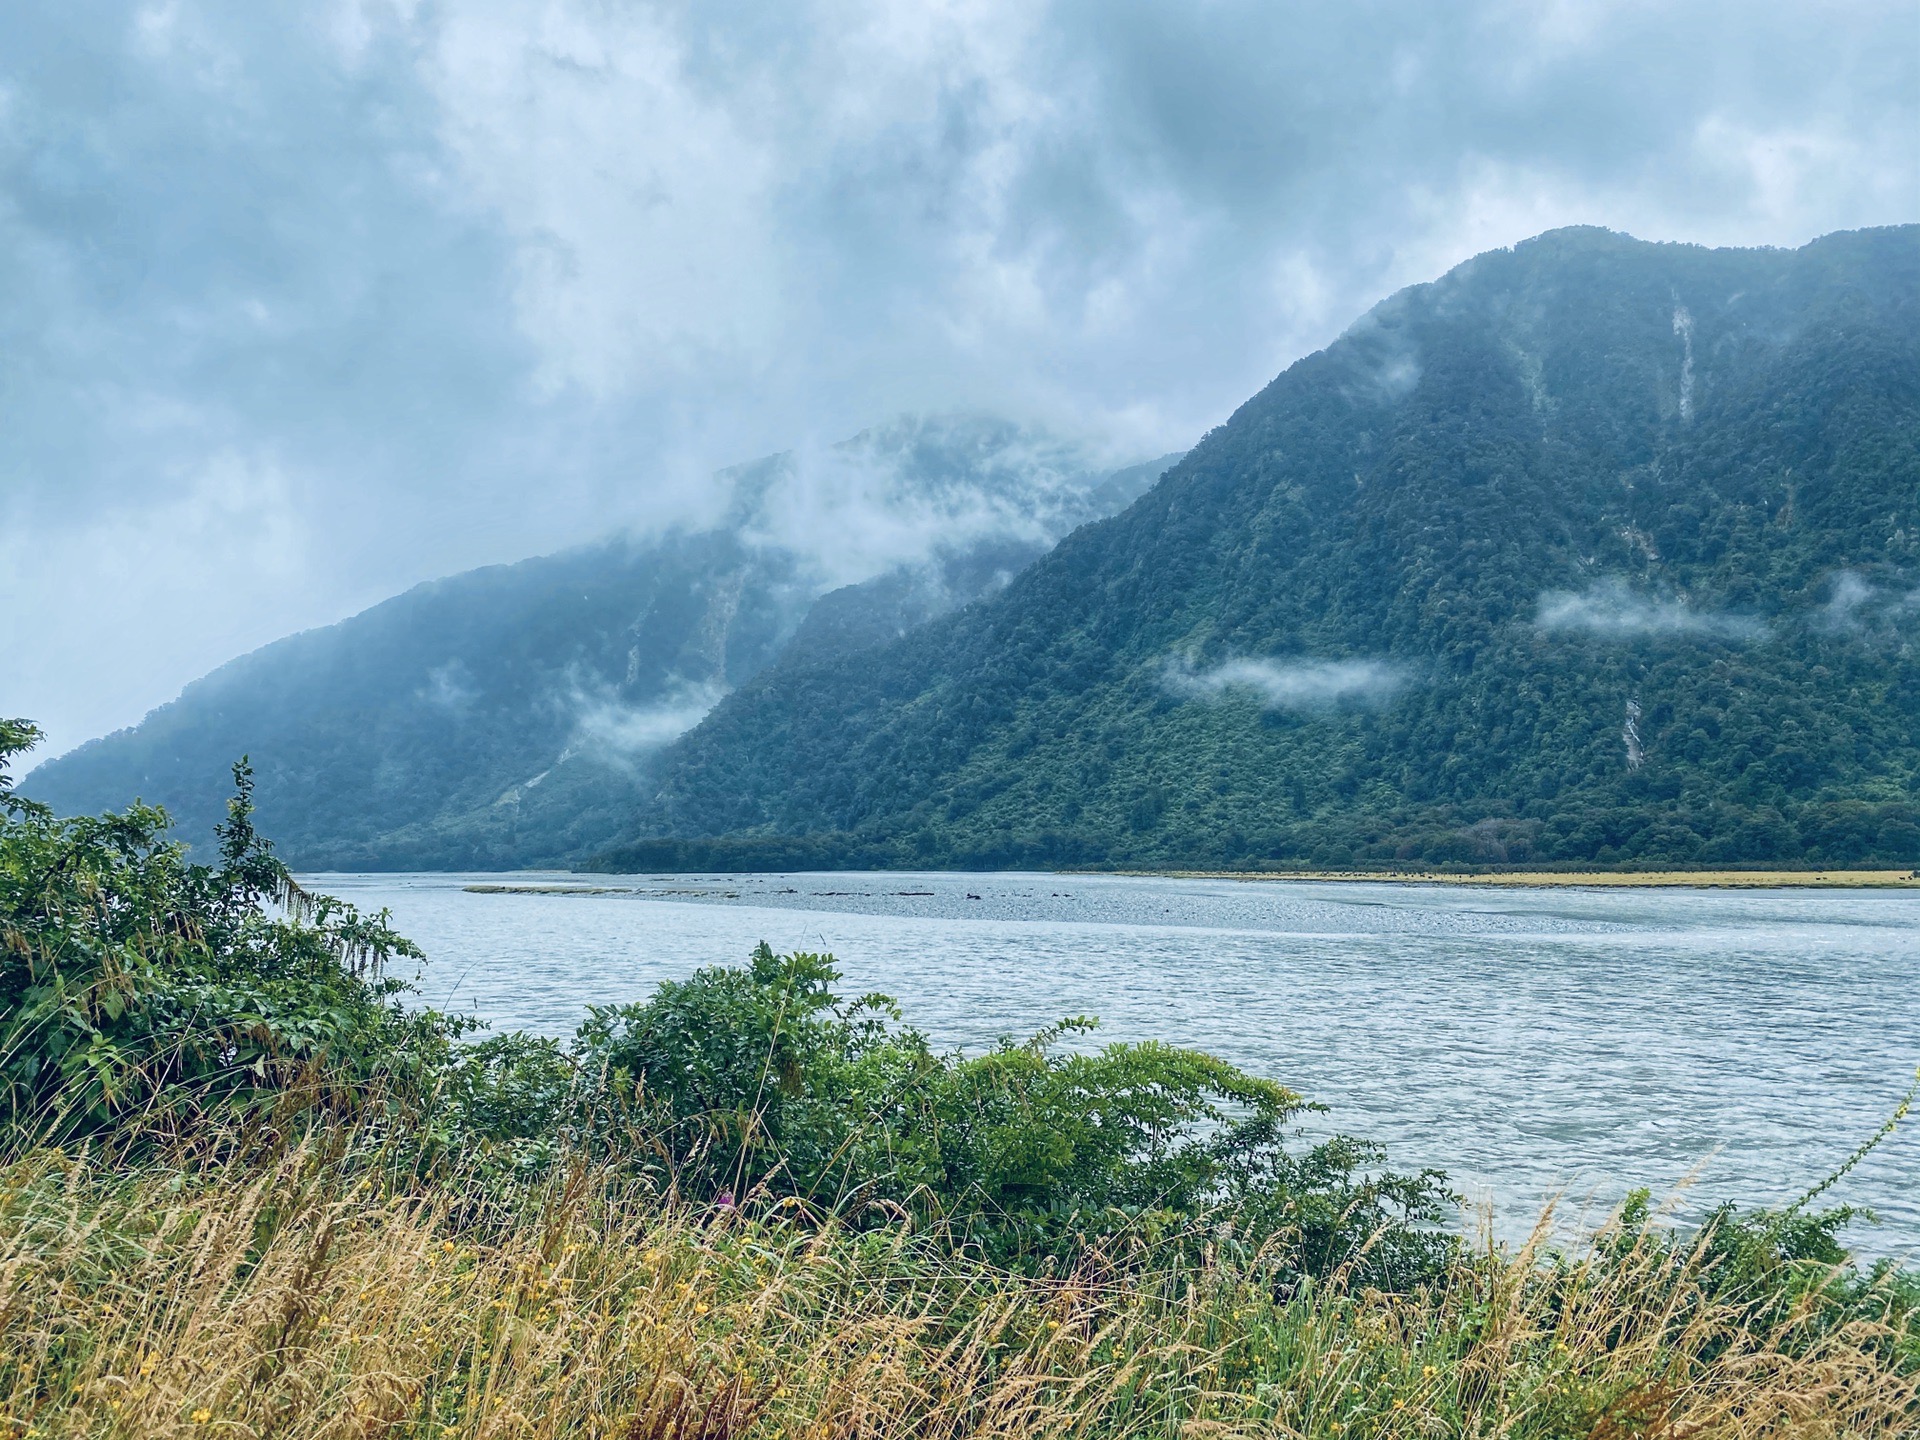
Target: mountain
(507, 716)
(1591, 551)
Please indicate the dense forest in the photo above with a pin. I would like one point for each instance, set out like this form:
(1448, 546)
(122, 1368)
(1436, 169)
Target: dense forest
(508, 715)
(1592, 551)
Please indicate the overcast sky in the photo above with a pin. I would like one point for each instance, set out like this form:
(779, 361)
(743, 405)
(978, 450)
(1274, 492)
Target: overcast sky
(303, 302)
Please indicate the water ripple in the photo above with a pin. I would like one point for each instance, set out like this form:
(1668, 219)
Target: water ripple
(1528, 1042)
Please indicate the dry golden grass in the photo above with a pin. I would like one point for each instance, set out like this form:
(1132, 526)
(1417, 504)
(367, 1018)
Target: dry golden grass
(290, 1300)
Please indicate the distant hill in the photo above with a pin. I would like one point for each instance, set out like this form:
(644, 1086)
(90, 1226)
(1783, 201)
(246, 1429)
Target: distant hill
(507, 716)
(1593, 550)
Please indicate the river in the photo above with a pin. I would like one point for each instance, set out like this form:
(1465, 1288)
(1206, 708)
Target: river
(1532, 1043)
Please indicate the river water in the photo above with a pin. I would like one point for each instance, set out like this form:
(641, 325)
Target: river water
(1532, 1043)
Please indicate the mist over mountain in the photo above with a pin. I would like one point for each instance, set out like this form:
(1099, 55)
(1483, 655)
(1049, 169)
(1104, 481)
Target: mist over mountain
(508, 715)
(1592, 550)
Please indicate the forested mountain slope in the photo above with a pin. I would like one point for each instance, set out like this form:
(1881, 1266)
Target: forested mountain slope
(507, 716)
(1592, 550)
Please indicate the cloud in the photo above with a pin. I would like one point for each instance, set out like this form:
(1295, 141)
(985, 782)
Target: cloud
(1612, 611)
(608, 728)
(918, 488)
(624, 275)
(1858, 606)
(111, 610)
(1299, 684)
(1851, 593)
(450, 686)
(482, 280)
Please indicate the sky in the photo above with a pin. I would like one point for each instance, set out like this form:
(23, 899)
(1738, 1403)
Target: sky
(303, 303)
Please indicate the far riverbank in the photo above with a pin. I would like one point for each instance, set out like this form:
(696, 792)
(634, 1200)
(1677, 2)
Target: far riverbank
(1639, 879)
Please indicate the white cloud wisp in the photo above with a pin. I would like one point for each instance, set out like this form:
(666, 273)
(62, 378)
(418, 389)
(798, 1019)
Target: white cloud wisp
(1612, 611)
(1293, 684)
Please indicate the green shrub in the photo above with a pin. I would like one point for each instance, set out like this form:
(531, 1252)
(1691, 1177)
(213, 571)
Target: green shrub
(138, 988)
(761, 1084)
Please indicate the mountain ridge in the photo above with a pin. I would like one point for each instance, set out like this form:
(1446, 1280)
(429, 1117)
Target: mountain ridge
(1577, 519)
(504, 716)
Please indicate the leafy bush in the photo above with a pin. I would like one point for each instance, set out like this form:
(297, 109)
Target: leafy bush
(761, 1083)
(135, 987)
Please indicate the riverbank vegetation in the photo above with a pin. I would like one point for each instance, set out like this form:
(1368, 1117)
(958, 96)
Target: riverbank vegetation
(1611, 879)
(247, 1190)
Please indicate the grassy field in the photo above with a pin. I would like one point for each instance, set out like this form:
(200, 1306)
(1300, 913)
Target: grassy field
(302, 1297)
(1611, 879)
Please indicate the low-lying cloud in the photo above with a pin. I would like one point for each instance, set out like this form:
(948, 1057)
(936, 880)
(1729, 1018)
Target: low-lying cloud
(1294, 684)
(626, 732)
(1610, 610)
(611, 732)
(917, 488)
(1856, 605)
(1851, 593)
